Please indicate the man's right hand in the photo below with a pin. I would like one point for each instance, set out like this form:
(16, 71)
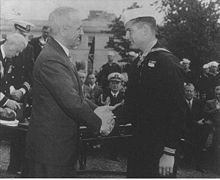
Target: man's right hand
(107, 117)
(12, 104)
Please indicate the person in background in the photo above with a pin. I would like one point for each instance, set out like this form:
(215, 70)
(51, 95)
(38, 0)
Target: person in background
(12, 46)
(52, 142)
(39, 42)
(154, 100)
(114, 97)
(189, 75)
(212, 111)
(95, 89)
(17, 85)
(196, 130)
(214, 76)
(204, 84)
(107, 69)
(85, 89)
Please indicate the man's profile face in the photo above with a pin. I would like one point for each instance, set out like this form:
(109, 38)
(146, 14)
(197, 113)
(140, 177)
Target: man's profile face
(189, 92)
(135, 34)
(75, 31)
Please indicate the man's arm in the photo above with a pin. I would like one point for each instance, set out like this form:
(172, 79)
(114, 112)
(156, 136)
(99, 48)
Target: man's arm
(59, 82)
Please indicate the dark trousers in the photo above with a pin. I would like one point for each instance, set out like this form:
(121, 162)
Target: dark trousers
(17, 152)
(42, 170)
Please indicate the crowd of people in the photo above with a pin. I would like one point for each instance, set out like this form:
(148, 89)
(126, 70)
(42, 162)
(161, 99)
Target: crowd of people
(159, 95)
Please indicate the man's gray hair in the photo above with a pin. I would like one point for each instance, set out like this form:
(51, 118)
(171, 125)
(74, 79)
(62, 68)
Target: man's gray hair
(16, 39)
(59, 18)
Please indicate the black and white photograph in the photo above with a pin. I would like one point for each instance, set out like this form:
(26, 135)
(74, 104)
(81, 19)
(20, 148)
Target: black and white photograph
(110, 89)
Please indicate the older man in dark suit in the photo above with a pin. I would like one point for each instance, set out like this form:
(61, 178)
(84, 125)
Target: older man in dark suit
(14, 44)
(58, 102)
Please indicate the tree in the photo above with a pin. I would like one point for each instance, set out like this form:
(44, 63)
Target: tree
(191, 29)
(118, 41)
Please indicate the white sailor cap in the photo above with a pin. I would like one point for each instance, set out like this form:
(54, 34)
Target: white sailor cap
(205, 66)
(214, 63)
(23, 26)
(115, 77)
(111, 53)
(186, 61)
(131, 14)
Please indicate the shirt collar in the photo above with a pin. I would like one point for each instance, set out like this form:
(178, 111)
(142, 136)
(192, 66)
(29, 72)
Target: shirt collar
(64, 48)
(3, 52)
(145, 53)
(92, 86)
(115, 94)
(191, 100)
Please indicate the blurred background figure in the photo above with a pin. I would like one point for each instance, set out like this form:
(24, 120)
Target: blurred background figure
(95, 89)
(114, 97)
(212, 110)
(204, 84)
(195, 130)
(17, 85)
(107, 69)
(85, 89)
(189, 75)
(39, 42)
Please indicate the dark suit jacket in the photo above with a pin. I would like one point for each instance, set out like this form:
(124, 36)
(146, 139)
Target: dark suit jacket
(193, 115)
(58, 107)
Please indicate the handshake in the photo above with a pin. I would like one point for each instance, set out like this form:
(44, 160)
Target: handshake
(107, 117)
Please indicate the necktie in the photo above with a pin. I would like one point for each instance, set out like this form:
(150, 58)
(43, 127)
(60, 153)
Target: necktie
(190, 105)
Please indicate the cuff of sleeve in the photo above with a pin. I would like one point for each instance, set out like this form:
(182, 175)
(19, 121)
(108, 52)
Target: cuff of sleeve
(169, 151)
(26, 86)
(3, 99)
(22, 90)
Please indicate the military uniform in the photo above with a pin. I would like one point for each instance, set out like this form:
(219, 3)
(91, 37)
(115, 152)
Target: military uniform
(19, 75)
(155, 102)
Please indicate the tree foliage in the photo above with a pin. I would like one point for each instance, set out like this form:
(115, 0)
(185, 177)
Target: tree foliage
(191, 29)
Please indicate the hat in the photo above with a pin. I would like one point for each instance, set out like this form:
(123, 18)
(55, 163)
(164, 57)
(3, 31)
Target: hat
(186, 61)
(115, 77)
(131, 14)
(214, 63)
(23, 25)
(111, 53)
(205, 66)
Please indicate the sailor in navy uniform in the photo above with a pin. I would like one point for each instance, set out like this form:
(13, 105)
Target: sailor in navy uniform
(154, 98)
